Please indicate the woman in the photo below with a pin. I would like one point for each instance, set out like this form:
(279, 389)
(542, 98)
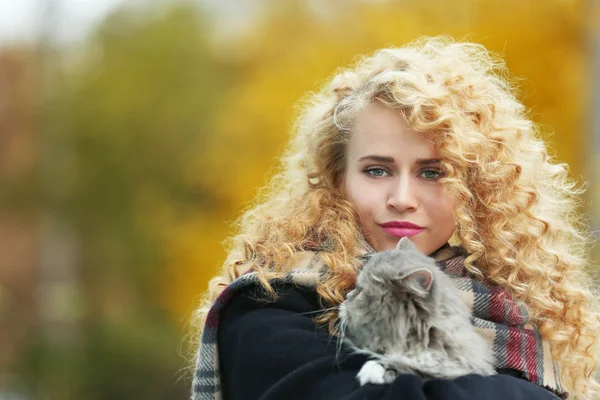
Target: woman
(426, 141)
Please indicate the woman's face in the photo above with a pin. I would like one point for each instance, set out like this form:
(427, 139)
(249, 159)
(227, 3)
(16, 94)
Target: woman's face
(392, 178)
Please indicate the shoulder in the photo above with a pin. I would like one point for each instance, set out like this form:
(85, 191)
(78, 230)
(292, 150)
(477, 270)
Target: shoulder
(251, 311)
(289, 296)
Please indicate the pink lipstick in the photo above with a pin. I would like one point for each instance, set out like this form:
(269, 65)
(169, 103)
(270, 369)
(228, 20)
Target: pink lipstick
(401, 228)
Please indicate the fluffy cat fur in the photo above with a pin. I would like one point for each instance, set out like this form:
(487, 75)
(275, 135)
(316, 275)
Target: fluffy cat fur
(409, 317)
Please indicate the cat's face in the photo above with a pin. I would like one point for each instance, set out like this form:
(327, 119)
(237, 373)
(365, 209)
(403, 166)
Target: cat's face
(393, 298)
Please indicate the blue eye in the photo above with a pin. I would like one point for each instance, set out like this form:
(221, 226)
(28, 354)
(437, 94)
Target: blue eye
(376, 172)
(432, 174)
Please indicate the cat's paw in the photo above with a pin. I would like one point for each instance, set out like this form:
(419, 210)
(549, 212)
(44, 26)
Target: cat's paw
(390, 375)
(372, 372)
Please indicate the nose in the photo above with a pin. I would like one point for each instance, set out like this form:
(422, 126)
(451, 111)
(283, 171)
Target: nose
(402, 195)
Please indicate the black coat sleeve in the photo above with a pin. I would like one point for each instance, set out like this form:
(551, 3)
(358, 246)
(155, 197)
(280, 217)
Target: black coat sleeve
(274, 351)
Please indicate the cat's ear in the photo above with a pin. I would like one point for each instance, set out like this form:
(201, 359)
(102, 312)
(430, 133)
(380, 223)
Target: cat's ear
(405, 244)
(418, 281)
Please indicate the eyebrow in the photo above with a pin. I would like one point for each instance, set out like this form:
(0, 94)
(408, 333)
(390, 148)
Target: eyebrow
(384, 159)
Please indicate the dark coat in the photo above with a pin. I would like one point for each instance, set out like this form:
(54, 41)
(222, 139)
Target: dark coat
(274, 351)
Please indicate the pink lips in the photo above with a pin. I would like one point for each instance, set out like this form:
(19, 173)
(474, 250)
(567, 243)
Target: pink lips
(401, 228)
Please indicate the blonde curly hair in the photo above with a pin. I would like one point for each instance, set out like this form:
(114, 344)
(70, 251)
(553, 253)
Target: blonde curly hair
(517, 212)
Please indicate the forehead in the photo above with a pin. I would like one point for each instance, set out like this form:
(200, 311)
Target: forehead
(384, 131)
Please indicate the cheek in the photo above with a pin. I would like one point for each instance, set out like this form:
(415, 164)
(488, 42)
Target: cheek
(441, 208)
(364, 198)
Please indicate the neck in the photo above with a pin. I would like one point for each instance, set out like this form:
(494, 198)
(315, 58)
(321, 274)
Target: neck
(444, 253)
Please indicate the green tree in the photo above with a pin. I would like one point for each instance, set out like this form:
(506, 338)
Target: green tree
(133, 111)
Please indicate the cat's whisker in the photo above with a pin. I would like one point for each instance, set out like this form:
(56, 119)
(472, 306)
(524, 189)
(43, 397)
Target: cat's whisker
(319, 311)
(341, 339)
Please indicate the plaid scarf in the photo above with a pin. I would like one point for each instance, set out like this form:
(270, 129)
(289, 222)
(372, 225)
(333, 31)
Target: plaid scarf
(497, 316)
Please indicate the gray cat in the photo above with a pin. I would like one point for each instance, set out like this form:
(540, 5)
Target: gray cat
(409, 317)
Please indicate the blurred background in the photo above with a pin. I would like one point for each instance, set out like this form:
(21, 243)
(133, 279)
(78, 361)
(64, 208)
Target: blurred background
(132, 133)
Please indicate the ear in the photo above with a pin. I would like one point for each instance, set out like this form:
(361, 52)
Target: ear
(405, 244)
(418, 281)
